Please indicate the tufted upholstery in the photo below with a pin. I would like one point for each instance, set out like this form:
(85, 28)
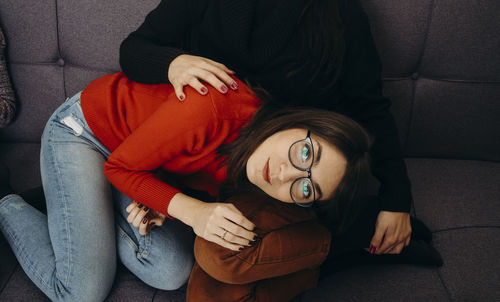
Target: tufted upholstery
(441, 64)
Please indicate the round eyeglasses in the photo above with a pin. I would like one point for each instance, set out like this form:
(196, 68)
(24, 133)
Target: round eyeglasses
(301, 156)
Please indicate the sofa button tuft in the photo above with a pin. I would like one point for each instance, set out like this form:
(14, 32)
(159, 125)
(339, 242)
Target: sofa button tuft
(415, 76)
(61, 62)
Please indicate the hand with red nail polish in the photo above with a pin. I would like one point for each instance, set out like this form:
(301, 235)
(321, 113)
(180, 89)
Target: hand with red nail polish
(143, 218)
(392, 233)
(194, 71)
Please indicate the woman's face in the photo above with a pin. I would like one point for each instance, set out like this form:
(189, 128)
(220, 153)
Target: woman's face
(273, 167)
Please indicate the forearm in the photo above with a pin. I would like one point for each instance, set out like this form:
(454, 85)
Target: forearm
(184, 208)
(145, 62)
(145, 55)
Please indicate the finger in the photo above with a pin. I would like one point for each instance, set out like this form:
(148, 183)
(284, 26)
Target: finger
(222, 74)
(140, 216)
(156, 221)
(221, 66)
(143, 226)
(132, 214)
(198, 86)
(232, 238)
(233, 214)
(216, 239)
(179, 91)
(397, 248)
(377, 238)
(132, 205)
(407, 242)
(210, 78)
(387, 244)
(150, 226)
(238, 231)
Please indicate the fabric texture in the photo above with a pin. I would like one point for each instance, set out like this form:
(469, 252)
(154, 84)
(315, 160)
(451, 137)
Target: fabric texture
(282, 263)
(146, 128)
(254, 38)
(7, 98)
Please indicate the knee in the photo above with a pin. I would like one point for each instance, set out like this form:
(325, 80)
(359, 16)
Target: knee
(170, 274)
(89, 289)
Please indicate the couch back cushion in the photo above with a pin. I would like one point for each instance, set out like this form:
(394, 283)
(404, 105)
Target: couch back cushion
(441, 65)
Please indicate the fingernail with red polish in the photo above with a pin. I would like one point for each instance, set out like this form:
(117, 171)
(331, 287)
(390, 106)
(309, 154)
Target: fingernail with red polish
(181, 97)
(146, 209)
(139, 206)
(203, 90)
(223, 88)
(234, 86)
(144, 221)
(240, 248)
(372, 249)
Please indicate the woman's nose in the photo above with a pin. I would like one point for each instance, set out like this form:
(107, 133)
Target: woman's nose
(289, 173)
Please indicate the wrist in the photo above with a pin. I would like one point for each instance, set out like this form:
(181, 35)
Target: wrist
(184, 208)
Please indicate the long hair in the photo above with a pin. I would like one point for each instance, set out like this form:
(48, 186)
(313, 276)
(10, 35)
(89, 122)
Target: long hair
(321, 35)
(340, 131)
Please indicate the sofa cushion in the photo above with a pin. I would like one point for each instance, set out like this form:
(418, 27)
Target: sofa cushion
(451, 194)
(380, 283)
(471, 270)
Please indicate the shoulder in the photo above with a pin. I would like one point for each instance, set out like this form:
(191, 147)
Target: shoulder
(238, 104)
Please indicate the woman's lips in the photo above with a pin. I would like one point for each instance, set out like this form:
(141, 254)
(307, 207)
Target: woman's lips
(265, 172)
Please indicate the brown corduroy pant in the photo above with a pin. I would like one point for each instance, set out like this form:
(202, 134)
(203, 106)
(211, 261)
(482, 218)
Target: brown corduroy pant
(281, 264)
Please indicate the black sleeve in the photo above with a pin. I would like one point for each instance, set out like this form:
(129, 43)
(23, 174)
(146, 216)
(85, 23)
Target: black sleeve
(146, 54)
(362, 99)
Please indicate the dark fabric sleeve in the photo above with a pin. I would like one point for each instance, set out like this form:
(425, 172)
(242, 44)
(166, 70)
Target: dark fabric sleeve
(146, 54)
(362, 100)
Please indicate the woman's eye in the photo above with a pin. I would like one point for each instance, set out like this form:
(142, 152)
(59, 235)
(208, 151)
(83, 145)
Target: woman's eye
(306, 190)
(304, 156)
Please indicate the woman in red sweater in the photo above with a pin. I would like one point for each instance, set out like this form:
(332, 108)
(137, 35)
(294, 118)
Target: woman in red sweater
(153, 150)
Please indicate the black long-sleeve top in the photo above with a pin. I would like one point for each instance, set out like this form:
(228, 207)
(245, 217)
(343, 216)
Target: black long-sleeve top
(256, 39)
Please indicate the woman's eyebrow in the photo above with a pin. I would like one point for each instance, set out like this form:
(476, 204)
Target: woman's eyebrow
(316, 162)
(318, 155)
(318, 190)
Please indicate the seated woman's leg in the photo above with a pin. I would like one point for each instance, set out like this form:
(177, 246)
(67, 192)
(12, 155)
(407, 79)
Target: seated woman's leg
(163, 258)
(69, 253)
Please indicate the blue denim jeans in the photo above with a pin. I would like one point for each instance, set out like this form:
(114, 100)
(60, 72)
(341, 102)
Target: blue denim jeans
(71, 253)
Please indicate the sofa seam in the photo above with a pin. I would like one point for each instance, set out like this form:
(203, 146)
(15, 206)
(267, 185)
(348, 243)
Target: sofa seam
(458, 81)
(467, 227)
(443, 283)
(424, 43)
(59, 53)
(414, 82)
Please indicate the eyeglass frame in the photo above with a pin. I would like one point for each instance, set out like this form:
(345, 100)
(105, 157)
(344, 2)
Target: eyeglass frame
(308, 170)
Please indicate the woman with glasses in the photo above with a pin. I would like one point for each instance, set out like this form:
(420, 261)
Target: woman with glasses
(134, 150)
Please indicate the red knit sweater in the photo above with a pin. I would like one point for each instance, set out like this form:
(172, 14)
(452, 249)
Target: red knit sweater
(146, 128)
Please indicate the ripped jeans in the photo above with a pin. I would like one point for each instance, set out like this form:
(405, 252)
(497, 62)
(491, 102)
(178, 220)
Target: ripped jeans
(71, 253)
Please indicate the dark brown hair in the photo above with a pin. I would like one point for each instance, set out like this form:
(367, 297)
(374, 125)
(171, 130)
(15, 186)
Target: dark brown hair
(340, 131)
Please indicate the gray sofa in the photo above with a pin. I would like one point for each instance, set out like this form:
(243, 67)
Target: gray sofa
(441, 69)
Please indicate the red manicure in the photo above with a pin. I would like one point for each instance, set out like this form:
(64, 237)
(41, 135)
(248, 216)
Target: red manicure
(223, 88)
